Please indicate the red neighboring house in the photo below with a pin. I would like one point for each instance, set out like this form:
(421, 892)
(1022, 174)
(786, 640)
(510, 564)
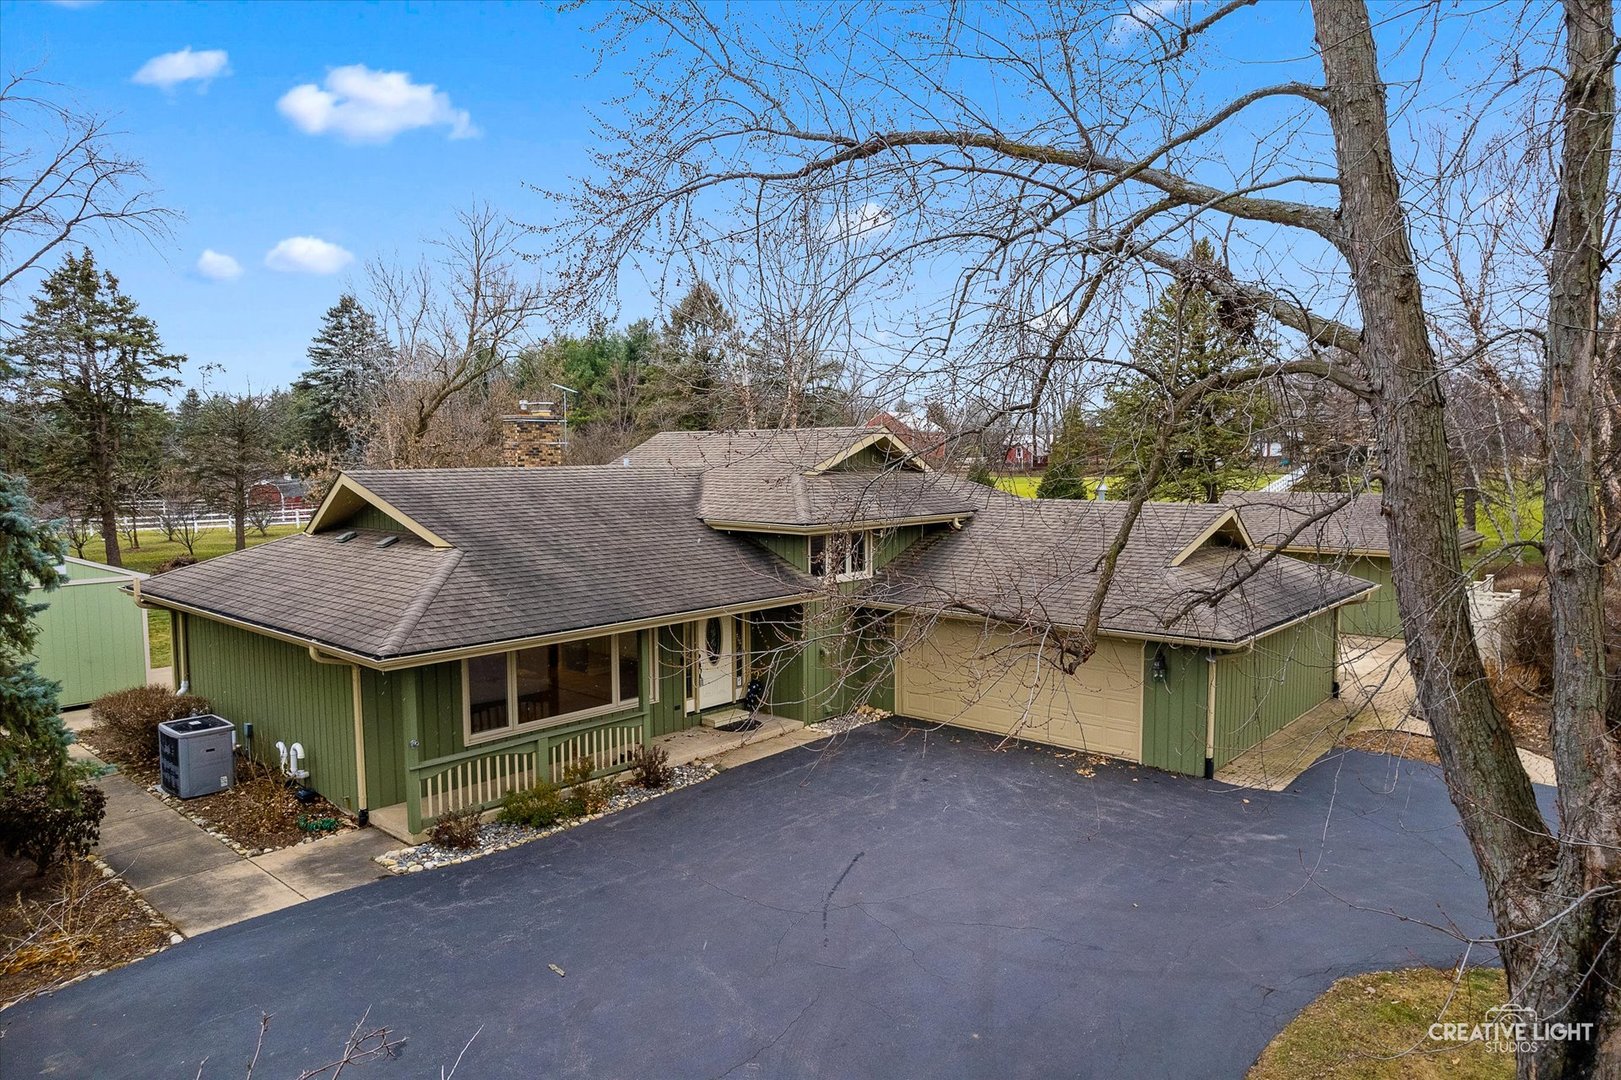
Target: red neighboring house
(1023, 456)
(925, 438)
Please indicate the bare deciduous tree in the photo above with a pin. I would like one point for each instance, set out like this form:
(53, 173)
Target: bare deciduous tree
(62, 176)
(454, 318)
(1084, 172)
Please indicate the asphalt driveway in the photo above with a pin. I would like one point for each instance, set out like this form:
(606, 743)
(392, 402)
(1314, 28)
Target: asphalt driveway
(905, 904)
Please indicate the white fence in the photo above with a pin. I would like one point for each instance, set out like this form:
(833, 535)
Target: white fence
(153, 516)
(1486, 607)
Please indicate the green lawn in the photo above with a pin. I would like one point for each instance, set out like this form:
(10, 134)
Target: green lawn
(1495, 522)
(1024, 485)
(1376, 1027)
(1019, 484)
(155, 550)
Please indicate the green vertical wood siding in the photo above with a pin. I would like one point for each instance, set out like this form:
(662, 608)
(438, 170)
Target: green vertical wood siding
(1175, 713)
(382, 696)
(285, 695)
(92, 637)
(371, 517)
(665, 658)
(891, 542)
(792, 549)
(1376, 616)
(775, 638)
(1260, 690)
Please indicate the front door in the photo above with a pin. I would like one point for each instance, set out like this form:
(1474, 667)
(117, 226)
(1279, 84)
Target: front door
(716, 676)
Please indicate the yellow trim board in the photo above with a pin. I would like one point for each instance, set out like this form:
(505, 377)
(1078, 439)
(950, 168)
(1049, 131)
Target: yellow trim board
(347, 494)
(327, 654)
(1229, 518)
(912, 460)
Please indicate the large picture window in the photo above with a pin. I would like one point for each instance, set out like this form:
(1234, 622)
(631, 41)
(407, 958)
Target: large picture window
(841, 556)
(551, 684)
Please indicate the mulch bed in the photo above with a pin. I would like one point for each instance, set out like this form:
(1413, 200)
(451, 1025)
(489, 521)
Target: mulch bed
(259, 814)
(77, 920)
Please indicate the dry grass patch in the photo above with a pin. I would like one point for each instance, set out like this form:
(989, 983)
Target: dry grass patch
(1375, 1027)
(72, 921)
(1403, 744)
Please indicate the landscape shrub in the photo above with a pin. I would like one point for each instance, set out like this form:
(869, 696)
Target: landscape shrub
(47, 824)
(582, 797)
(126, 721)
(174, 564)
(1525, 631)
(650, 767)
(538, 807)
(456, 829)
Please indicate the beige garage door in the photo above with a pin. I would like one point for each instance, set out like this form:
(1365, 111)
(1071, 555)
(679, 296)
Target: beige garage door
(965, 674)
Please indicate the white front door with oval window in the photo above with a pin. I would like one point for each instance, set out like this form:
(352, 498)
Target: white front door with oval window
(715, 642)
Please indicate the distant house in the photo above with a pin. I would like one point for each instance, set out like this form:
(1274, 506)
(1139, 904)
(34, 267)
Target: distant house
(92, 639)
(926, 438)
(280, 493)
(1354, 538)
(437, 638)
(1024, 456)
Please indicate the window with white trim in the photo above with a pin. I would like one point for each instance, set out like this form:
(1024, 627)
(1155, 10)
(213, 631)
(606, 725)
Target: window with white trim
(841, 556)
(550, 684)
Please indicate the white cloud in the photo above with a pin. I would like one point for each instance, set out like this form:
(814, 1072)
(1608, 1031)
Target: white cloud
(172, 69)
(307, 255)
(868, 221)
(217, 267)
(363, 105)
(1141, 15)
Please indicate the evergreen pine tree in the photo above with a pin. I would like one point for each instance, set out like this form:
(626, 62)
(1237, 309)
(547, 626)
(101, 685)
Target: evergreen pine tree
(1183, 339)
(348, 360)
(87, 359)
(47, 811)
(1069, 461)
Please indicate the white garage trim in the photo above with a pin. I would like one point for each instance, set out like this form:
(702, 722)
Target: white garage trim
(986, 677)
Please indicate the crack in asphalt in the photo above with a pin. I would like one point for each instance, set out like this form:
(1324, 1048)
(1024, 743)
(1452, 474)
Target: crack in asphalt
(827, 900)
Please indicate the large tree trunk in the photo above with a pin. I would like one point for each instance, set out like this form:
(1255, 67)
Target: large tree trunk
(107, 495)
(1548, 958)
(1586, 752)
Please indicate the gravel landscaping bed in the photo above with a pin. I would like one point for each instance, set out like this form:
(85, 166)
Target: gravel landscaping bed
(860, 716)
(498, 836)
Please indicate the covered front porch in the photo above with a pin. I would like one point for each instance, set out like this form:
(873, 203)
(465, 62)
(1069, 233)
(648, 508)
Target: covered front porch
(480, 779)
(465, 734)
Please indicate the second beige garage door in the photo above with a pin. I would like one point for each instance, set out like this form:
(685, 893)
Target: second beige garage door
(965, 674)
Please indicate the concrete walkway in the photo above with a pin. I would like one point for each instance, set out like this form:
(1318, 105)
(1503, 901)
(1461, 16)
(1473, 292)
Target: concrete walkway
(1376, 691)
(198, 883)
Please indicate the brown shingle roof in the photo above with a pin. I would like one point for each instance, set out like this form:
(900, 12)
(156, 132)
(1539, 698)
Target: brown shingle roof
(1359, 526)
(533, 552)
(1037, 561)
(764, 478)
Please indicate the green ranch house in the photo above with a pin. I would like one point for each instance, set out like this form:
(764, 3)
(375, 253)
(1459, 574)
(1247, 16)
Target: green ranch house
(438, 638)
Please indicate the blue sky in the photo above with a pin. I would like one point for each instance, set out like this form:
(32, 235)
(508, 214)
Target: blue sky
(270, 127)
(516, 89)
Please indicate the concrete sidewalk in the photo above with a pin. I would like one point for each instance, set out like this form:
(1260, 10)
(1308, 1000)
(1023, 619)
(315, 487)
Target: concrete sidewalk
(198, 883)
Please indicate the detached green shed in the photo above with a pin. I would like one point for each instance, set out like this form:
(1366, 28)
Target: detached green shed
(92, 636)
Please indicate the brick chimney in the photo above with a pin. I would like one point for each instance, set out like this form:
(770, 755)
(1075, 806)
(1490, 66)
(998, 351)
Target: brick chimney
(533, 437)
